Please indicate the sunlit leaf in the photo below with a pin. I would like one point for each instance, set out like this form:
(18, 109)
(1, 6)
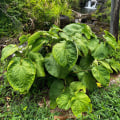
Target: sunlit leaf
(21, 74)
(8, 50)
(65, 53)
(64, 101)
(110, 39)
(101, 74)
(81, 103)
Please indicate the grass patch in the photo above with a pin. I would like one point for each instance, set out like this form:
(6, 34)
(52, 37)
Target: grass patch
(106, 104)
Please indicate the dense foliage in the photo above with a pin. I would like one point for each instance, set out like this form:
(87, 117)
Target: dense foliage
(74, 56)
(29, 15)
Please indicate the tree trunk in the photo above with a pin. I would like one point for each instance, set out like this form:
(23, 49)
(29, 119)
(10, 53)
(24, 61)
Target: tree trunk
(114, 24)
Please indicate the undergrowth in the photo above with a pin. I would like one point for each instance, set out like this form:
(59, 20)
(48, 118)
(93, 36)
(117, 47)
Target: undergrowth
(106, 104)
(14, 106)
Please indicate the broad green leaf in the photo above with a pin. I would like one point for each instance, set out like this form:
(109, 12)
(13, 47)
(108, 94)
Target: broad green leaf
(81, 103)
(23, 39)
(36, 36)
(65, 53)
(110, 39)
(81, 43)
(64, 101)
(106, 65)
(38, 59)
(89, 81)
(21, 74)
(101, 52)
(76, 87)
(73, 28)
(101, 74)
(92, 44)
(8, 50)
(86, 62)
(54, 68)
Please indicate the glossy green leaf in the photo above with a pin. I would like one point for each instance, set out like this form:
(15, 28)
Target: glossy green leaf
(110, 39)
(65, 53)
(101, 74)
(54, 68)
(81, 103)
(21, 74)
(38, 59)
(8, 50)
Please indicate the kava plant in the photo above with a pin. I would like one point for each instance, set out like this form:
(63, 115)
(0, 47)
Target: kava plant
(74, 56)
